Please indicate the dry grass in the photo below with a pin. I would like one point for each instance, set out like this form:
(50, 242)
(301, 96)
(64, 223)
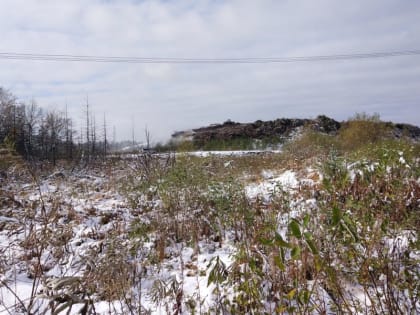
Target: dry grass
(289, 258)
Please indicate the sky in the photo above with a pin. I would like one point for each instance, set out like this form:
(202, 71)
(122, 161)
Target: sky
(172, 97)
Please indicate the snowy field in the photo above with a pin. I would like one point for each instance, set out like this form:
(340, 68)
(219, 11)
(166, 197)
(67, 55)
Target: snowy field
(199, 234)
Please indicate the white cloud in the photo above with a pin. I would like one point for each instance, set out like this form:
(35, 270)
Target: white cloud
(174, 97)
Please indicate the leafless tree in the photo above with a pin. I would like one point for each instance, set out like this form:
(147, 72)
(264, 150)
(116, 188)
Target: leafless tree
(132, 133)
(93, 136)
(87, 155)
(55, 125)
(105, 138)
(147, 136)
(33, 116)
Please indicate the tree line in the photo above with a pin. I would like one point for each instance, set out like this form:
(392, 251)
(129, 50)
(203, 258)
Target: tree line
(40, 134)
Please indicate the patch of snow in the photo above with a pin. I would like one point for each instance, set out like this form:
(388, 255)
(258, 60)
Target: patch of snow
(267, 188)
(229, 153)
(266, 174)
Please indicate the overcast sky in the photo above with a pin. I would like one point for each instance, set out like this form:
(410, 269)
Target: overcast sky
(170, 97)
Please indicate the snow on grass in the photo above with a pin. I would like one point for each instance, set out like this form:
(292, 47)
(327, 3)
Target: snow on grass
(229, 152)
(267, 188)
(87, 230)
(91, 210)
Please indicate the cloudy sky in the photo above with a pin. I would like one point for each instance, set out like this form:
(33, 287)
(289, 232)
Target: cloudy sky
(169, 97)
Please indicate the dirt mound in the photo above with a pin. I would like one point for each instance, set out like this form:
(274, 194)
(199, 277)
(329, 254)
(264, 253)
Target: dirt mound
(282, 128)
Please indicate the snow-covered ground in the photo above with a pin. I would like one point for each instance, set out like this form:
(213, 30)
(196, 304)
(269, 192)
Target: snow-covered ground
(62, 224)
(230, 152)
(87, 203)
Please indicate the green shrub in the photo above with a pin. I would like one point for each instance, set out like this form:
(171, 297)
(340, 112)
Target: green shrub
(362, 129)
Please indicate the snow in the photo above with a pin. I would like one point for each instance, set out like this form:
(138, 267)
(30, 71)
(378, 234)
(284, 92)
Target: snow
(89, 198)
(86, 232)
(229, 152)
(266, 189)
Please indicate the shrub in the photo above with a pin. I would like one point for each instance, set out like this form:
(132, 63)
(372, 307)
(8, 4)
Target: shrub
(310, 145)
(362, 129)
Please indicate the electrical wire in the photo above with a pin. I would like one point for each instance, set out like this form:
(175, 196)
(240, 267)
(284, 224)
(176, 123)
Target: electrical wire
(113, 59)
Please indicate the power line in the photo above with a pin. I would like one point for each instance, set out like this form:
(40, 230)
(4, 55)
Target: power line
(111, 59)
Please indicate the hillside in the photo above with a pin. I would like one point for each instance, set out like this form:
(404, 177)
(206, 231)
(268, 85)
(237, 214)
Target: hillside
(278, 130)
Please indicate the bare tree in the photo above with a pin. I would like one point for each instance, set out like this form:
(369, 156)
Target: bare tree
(68, 135)
(54, 124)
(105, 138)
(87, 129)
(33, 133)
(7, 104)
(33, 116)
(93, 136)
(132, 132)
(147, 136)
